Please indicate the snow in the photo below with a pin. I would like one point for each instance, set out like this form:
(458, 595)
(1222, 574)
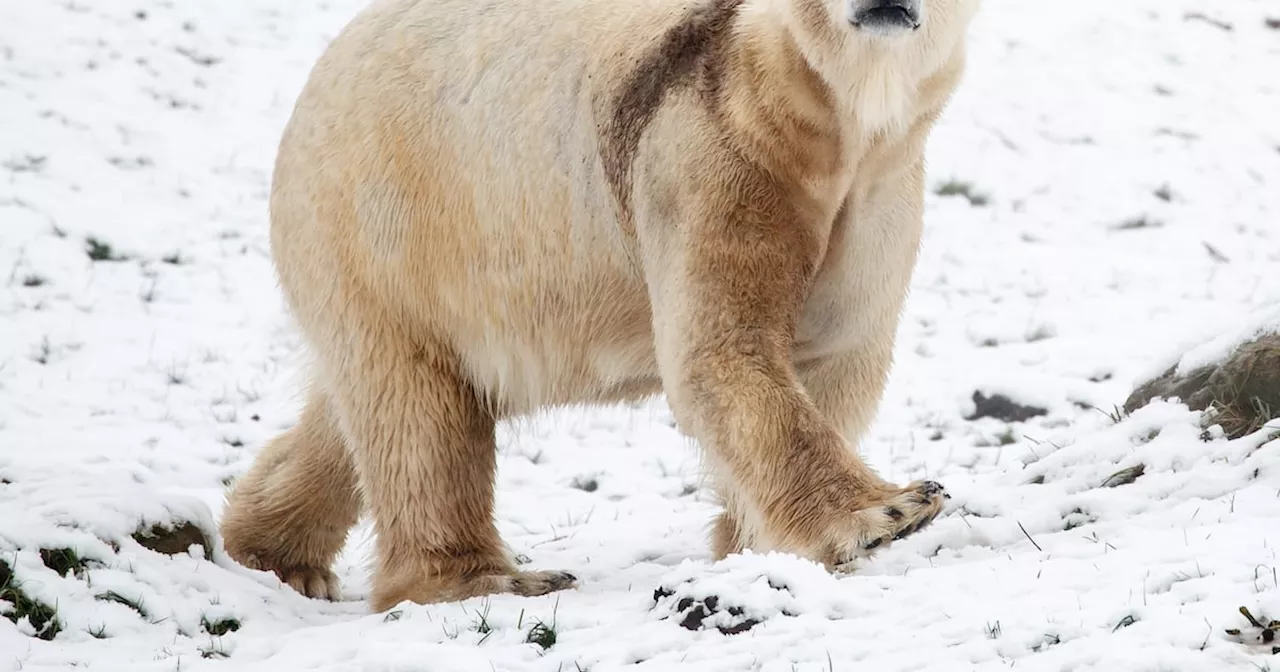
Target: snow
(1131, 158)
(1265, 321)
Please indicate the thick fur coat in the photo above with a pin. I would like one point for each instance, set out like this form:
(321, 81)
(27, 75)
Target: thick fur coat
(482, 208)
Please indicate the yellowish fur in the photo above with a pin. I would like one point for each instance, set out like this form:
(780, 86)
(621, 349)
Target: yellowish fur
(481, 209)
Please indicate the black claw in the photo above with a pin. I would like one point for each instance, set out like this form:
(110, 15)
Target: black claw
(873, 543)
(894, 513)
(906, 531)
(931, 488)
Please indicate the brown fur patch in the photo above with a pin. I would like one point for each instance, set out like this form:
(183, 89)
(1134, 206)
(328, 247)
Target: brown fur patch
(695, 45)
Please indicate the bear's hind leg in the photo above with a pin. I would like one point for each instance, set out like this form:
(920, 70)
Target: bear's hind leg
(424, 448)
(290, 513)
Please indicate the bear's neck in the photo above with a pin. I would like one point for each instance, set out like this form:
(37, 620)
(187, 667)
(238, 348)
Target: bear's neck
(774, 102)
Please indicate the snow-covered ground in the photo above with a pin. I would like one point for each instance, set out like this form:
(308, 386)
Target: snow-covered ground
(1129, 156)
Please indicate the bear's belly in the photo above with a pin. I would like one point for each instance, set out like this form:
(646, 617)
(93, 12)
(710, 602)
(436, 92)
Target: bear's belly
(590, 345)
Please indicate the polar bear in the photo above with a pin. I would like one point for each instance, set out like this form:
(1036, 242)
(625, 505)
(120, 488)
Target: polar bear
(481, 208)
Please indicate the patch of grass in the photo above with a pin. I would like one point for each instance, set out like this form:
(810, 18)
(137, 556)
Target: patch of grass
(148, 295)
(542, 634)
(1238, 419)
(1125, 622)
(1216, 23)
(1006, 437)
(131, 162)
(100, 250)
(1049, 640)
(220, 626)
(1165, 131)
(992, 630)
(199, 59)
(1139, 222)
(1148, 437)
(43, 352)
(1124, 476)
(43, 618)
(213, 651)
(1042, 332)
(136, 605)
(965, 189)
(1029, 538)
(481, 622)
(585, 483)
(176, 375)
(1164, 192)
(28, 163)
(1116, 415)
(173, 259)
(1214, 253)
(1077, 518)
(393, 615)
(64, 561)
(100, 632)
(33, 280)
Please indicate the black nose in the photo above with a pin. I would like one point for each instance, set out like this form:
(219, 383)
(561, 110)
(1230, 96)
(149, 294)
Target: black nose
(887, 14)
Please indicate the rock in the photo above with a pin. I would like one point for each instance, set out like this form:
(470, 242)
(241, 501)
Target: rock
(173, 540)
(1003, 408)
(1243, 389)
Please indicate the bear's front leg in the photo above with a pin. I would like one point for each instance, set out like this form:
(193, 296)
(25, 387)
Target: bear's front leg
(729, 271)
